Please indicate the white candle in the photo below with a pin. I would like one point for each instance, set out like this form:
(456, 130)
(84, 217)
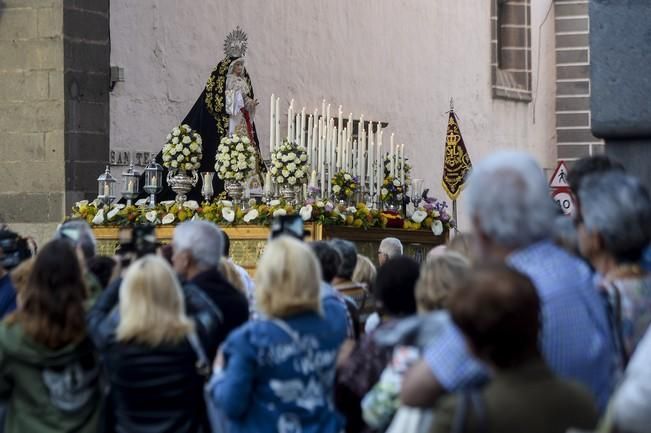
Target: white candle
(338, 148)
(349, 125)
(289, 121)
(303, 127)
(267, 183)
(315, 146)
(323, 105)
(272, 124)
(379, 167)
(391, 165)
(313, 179)
(369, 159)
(277, 118)
(349, 144)
(402, 165)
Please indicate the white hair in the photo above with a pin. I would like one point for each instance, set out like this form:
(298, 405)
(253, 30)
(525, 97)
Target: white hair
(618, 207)
(392, 247)
(203, 239)
(508, 198)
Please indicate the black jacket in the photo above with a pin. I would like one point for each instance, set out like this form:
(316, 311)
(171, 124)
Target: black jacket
(154, 389)
(230, 301)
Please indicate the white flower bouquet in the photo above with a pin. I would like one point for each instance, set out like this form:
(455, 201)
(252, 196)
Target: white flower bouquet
(235, 158)
(289, 164)
(183, 150)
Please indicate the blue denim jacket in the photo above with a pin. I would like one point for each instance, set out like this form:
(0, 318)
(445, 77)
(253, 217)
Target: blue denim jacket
(279, 376)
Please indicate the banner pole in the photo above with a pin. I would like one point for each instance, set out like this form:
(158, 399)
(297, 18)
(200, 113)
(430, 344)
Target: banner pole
(454, 216)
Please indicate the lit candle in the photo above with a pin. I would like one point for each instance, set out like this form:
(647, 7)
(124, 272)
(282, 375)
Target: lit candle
(267, 183)
(391, 161)
(130, 186)
(153, 180)
(107, 190)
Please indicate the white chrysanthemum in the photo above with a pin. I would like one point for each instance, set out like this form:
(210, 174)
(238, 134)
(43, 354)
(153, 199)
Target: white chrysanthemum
(194, 159)
(291, 156)
(194, 147)
(166, 157)
(180, 158)
(291, 167)
(250, 149)
(174, 164)
(179, 147)
(168, 137)
(246, 140)
(189, 166)
(176, 132)
(299, 174)
(274, 171)
(384, 191)
(241, 157)
(347, 176)
(242, 165)
(186, 151)
(285, 173)
(198, 139)
(396, 182)
(239, 147)
(280, 179)
(292, 180)
(186, 140)
(186, 127)
(173, 151)
(336, 189)
(239, 176)
(303, 157)
(175, 140)
(227, 141)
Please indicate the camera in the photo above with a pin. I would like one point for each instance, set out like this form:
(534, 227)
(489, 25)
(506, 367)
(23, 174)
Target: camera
(13, 249)
(137, 241)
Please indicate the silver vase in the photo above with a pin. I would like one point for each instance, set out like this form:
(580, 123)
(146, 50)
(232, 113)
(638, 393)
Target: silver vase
(288, 193)
(235, 191)
(182, 183)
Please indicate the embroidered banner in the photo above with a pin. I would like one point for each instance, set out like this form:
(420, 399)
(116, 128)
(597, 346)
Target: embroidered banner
(456, 164)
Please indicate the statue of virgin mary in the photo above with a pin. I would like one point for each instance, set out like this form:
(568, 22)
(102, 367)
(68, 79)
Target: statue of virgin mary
(225, 107)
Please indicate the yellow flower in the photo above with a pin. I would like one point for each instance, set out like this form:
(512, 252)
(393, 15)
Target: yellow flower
(349, 220)
(357, 222)
(427, 222)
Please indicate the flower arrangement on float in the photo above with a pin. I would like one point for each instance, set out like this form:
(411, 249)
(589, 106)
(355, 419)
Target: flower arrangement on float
(183, 149)
(289, 164)
(344, 185)
(235, 159)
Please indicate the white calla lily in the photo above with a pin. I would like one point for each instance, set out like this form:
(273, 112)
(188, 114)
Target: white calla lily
(168, 219)
(419, 216)
(228, 214)
(306, 212)
(99, 217)
(437, 228)
(280, 212)
(191, 204)
(250, 215)
(151, 216)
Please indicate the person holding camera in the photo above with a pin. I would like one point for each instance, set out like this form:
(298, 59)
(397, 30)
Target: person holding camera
(13, 250)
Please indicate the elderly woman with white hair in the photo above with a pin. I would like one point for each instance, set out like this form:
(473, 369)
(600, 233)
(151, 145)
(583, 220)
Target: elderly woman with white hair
(277, 374)
(389, 248)
(614, 227)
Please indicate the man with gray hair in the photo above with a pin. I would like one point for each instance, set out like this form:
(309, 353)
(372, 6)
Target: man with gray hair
(389, 248)
(512, 214)
(198, 247)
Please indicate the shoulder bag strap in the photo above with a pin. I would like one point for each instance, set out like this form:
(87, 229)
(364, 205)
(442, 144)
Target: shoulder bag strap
(470, 402)
(202, 364)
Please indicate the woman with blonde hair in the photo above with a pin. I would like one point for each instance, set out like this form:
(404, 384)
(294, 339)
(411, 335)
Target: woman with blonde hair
(438, 275)
(147, 347)
(277, 374)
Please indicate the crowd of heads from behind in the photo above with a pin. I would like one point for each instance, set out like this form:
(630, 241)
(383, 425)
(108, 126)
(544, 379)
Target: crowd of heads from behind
(529, 316)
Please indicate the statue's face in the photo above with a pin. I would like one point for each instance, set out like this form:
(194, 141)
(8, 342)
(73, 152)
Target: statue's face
(237, 69)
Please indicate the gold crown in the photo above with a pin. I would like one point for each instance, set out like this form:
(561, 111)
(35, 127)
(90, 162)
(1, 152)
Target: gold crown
(453, 138)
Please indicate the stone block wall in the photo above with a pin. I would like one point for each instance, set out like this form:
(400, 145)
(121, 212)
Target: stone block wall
(573, 85)
(32, 170)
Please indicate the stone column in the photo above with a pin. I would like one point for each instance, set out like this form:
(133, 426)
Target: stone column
(620, 43)
(54, 65)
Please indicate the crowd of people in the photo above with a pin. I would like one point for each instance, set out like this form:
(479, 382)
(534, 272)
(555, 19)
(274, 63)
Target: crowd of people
(531, 321)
